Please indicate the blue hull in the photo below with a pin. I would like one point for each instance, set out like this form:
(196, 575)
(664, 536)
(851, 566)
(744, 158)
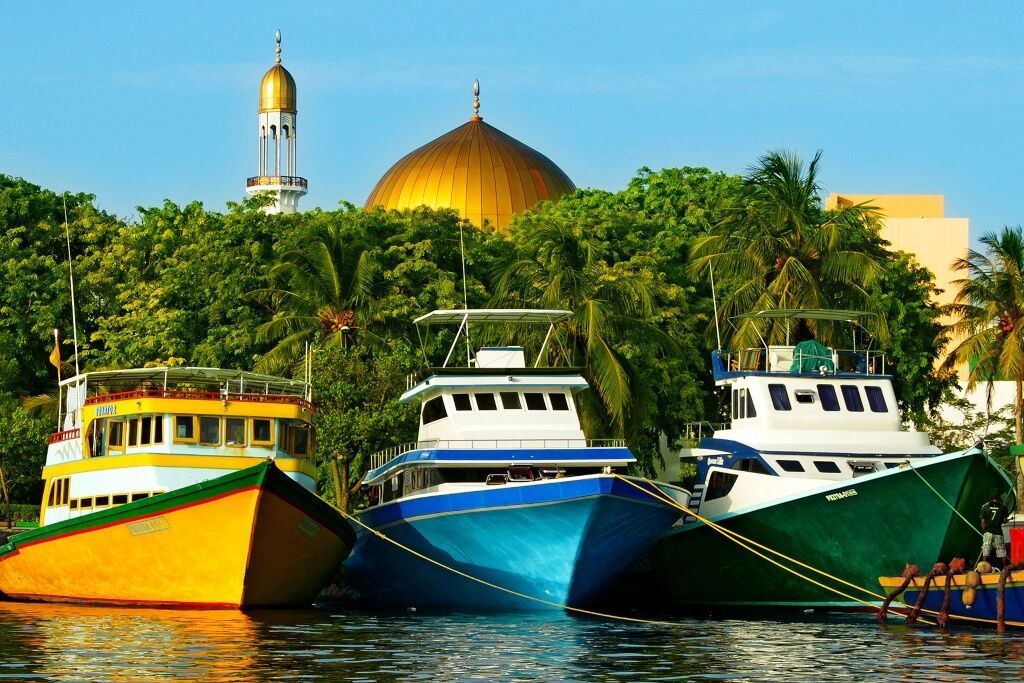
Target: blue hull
(984, 606)
(563, 541)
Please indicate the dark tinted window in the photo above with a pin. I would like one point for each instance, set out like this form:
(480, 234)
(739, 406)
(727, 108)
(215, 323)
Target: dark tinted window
(485, 402)
(876, 399)
(158, 429)
(791, 465)
(804, 396)
(535, 401)
(209, 430)
(146, 431)
(827, 394)
(510, 400)
(120, 499)
(462, 402)
(433, 410)
(102, 500)
(827, 466)
(851, 397)
(780, 397)
(558, 402)
(750, 406)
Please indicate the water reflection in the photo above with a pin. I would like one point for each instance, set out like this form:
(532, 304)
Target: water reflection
(69, 643)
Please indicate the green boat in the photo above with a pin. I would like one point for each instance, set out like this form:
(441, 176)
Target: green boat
(816, 468)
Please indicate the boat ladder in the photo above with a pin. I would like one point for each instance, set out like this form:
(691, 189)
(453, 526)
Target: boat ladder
(694, 502)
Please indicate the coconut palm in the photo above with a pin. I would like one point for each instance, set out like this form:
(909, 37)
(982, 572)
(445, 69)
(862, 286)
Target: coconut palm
(780, 249)
(326, 288)
(557, 267)
(988, 315)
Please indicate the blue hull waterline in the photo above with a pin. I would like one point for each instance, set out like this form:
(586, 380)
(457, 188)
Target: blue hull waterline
(562, 541)
(984, 606)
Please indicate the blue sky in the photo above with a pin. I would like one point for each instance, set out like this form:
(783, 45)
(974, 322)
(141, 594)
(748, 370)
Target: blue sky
(137, 102)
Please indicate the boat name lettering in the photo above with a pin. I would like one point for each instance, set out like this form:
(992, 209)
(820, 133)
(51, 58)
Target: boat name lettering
(848, 493)
(148, 526)
(716, 461)
(110, 409)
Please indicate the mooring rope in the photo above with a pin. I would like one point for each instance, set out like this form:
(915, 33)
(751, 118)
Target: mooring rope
(947, 503)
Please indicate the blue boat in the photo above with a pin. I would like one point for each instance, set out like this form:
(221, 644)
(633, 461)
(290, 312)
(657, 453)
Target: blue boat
(983, 606)
(502, 503)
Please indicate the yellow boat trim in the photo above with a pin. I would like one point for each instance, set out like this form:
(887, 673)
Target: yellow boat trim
(217, 462)
(191, 406)
(959, 580)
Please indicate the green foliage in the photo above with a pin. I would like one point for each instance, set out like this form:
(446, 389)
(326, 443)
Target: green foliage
(23, 440)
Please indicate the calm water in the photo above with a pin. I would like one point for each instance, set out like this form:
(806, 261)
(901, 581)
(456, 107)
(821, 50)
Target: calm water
(71, 643)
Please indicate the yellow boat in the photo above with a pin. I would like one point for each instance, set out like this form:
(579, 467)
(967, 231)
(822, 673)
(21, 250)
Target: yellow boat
(186, 487)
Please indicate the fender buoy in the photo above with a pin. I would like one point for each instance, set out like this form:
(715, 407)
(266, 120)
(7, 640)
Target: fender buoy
(969, 596)
(984, 567)
(972, 578)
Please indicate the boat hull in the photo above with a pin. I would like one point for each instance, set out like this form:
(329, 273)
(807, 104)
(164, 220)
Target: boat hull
(560, 541)
(246, 539)
(857, 530)
(984, 606)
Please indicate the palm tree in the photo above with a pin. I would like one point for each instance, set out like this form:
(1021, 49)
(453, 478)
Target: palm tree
(326, 288)
(780, 249)
(988, 315)
(557, 267)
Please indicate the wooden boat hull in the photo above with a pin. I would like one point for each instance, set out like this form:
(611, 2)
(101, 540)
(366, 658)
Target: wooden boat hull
(249, 538)
(984, 606)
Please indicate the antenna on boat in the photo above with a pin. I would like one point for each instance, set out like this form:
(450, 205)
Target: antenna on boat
(465, 295)
(71, 278)
(714, 302)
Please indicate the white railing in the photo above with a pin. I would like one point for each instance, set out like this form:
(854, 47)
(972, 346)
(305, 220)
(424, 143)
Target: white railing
(382, 458)
(782, 360)
(694, 432)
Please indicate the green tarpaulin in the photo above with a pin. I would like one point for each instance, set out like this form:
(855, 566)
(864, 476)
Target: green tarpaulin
(812, 356)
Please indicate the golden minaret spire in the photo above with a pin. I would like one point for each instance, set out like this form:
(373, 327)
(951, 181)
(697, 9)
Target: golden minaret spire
(476, 101)
(277, 38)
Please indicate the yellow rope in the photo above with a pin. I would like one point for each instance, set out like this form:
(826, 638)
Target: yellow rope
(749, 544)
(502, 588)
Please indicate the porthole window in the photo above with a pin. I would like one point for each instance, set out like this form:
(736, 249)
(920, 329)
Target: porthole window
(851, 397)
(876, 399)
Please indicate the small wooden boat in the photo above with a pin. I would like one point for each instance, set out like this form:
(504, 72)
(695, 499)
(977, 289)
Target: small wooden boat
(974, 596)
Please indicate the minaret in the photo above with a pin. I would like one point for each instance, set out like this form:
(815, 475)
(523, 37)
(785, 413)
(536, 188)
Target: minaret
(277, 139)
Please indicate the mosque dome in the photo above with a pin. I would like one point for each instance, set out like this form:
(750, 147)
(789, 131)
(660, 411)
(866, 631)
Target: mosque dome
(277, 90)
(481, 172)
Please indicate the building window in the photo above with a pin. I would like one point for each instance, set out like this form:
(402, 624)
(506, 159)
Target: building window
(485, 402)
(462, 402)
(433, 410)
(510, 401)
(876, 399)
(262, 433)
(791, 465)
(184, 429)
(209, 431)
(829, 400)
(535, 401)
(558, 402)
(851, 397)
(827, 466)
(780, 397)
(234, 431)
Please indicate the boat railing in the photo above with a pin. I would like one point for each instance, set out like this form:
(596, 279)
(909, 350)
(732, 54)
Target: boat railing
(66, 435)
(694, 432)
(154, 392)
(791, 360)
(382, 458)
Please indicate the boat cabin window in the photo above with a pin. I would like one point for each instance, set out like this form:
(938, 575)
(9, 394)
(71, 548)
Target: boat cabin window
(791, 465)
(558, 402)
(804, 396)
(184, 429)
(102, 501)
(876, 399)
(510, 400)
(892, 465)
(234, 431)
(139, 496)
(133, 432)
(60, 492)
(780, 398)
(85, 502)
(462, 402)
(209, 431)
(535, 401)
(300, 441)
(433, 410)
(74, 504)
(829, 400)
(115, 435)
(119, 498)
(145, 431)
(485, 402)
(827, 466)
(719, 484)
(262, 432)
(851, 397)
(742, 404)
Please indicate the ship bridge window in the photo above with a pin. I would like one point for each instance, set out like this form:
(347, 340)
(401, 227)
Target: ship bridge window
(804, 395)
(742, 404)
(851, 397)
(184, 429)
(133, 432)
(146, 431)
(115, 435)
(262, 432)
(827, 395)
(300, 441)
(791, 465)
(535, 401)
(558, 402)
(234, 431)
(462, 402)
(209, 431)
(510, 400)
(876, 399)
(485, 402)
(780, 398)
(827, 466)
(433, 410)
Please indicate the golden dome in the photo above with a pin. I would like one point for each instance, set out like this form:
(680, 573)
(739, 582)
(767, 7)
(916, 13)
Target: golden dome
(277, 91)
(475, 169)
